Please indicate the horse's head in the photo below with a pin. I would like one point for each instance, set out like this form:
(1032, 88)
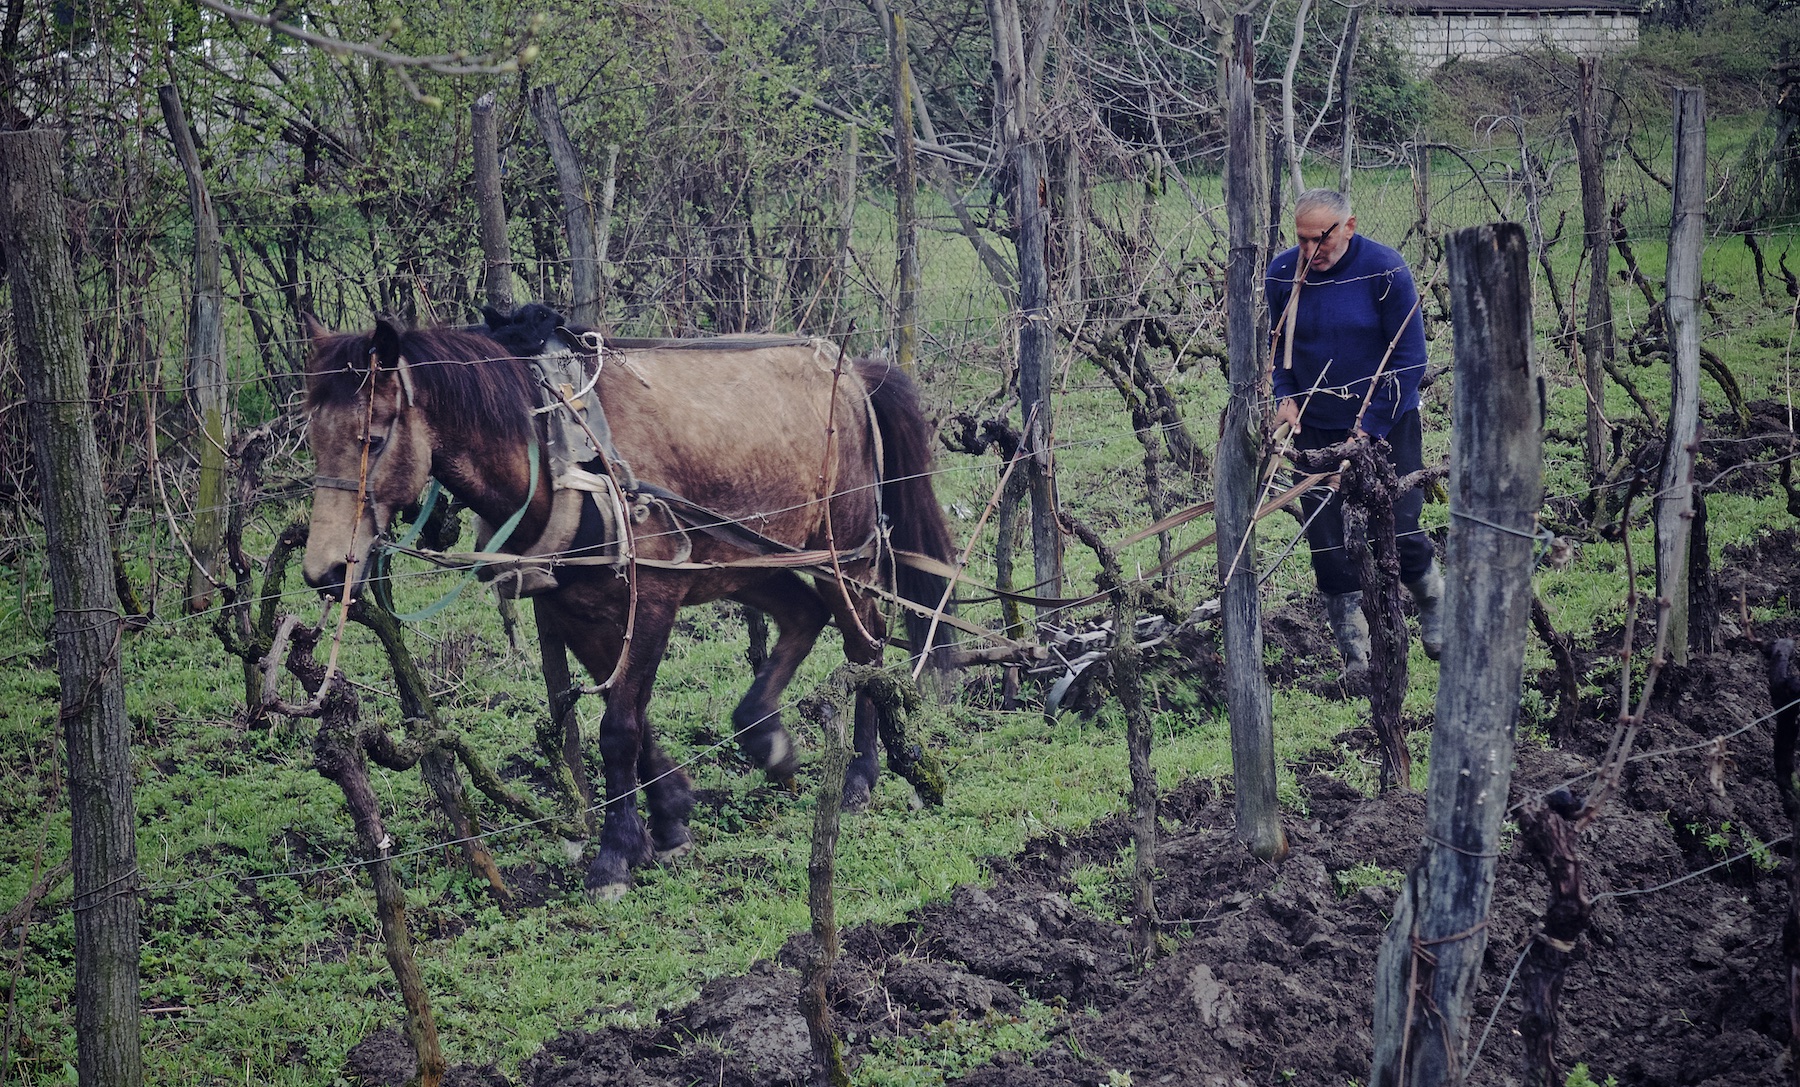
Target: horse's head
(371, 448)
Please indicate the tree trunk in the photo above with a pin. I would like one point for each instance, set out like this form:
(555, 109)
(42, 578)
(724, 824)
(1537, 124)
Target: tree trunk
(1018, 68)
(1239, 455)
(206, 380)
(578, 214)
(1431, 955)
(1347, 153)
(46, 311)
(609, 191)
(1597, 340)
(1287, 98)
(496, 249)
(1675, 489)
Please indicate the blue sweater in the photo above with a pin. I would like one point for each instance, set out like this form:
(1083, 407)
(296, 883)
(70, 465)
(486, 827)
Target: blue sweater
(1347, 317)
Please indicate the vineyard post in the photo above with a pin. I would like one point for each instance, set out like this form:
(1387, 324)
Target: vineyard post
(1431, 954)
(1675, 489)
(1240, 449)
(906, 221)
(496, 252)
(206, 379)
(1018, 71)
(46, 314)
(1597, 341)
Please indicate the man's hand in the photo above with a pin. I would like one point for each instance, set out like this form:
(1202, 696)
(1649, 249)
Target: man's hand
(1288, 411)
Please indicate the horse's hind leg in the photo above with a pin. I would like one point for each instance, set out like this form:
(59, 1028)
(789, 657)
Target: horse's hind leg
(799, 616)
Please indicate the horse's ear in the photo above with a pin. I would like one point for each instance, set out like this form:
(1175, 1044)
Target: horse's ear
(315, 328)
(494, 318)
(386, 341)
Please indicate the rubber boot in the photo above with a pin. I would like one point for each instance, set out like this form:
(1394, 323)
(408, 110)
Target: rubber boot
(1428, 594)
(1351, 628)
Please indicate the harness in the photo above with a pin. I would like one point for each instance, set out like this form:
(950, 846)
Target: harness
(597, 499)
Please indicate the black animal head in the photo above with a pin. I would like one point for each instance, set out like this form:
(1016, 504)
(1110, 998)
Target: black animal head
(525, 331)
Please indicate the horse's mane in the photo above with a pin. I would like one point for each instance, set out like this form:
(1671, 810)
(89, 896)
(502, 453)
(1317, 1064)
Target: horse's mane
(472, 384)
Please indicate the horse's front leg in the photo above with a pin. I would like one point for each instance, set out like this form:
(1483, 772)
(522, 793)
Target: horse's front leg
(627, 748)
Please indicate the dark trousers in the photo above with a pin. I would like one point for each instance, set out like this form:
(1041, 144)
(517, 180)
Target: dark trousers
(1335, 568)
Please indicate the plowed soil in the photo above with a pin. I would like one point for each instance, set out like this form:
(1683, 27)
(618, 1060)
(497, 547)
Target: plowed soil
(1267, 974)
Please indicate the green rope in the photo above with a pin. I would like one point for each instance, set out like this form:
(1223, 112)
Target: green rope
(501, 535)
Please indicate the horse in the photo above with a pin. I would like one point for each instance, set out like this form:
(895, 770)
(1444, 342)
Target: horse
(743, 464)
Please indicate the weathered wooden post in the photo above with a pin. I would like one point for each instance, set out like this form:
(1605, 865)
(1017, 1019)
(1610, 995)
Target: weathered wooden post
(1597, 340)
(578, 215)
(1240, 449)
(205, 364)
(905, 339)
(821, 895)
(1675, 488)
(1018, 71)
(46, 313)
(490, 206)
(1431, 955)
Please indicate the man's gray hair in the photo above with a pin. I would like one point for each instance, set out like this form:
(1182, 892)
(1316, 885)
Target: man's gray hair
(1328, 199)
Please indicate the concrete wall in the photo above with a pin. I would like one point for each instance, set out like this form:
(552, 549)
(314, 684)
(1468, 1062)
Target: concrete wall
(1431, 40)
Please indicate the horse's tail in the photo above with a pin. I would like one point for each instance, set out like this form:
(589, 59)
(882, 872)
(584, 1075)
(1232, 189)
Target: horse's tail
(915, 520)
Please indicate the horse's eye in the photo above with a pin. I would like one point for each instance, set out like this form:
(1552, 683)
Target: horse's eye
(375, 442)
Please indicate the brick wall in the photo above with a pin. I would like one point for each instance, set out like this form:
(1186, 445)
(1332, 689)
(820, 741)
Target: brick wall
(1433, 39)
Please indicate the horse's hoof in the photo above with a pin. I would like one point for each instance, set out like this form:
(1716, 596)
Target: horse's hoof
(608, 892)
(856, 796)
(783, 759)
(675, 843)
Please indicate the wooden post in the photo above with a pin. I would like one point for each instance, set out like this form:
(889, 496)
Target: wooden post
(840, 322)
(1431, 955)
(1273, 177)
(821, 897)
(1421, 179)
(205, 364)
(46, 314)
(1018, 70)
(1238, 460)
(1675, 488)
(578, 215)
(906, 219)
(1597, 340)
(496, 250)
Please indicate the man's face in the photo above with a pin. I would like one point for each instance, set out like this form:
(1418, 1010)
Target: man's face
(1323, 237)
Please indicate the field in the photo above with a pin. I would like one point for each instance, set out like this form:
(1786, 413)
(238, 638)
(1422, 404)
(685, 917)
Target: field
(986, 938)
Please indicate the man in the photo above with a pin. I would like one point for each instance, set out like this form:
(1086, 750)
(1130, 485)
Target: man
(1353, 322)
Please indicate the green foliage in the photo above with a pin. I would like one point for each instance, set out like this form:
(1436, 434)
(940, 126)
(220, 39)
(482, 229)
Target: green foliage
(1356, 877)
(946, 1050)
(1581, 1077)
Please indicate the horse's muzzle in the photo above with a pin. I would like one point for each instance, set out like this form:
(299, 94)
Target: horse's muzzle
(329, 582)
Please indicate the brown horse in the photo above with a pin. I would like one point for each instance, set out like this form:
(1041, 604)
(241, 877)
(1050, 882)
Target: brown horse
(789, 446)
